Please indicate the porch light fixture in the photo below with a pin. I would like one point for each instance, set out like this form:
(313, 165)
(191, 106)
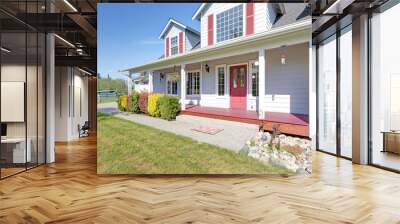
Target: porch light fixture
(256, 63)
(207, 68)
(283, 59)
(283, 55)
(70, 5)
(5, 50)
(161, 76)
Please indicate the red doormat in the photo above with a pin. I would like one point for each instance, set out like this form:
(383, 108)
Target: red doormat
(208, 130)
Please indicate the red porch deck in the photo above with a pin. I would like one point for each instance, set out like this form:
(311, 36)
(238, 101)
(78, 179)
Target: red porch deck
(292, 124)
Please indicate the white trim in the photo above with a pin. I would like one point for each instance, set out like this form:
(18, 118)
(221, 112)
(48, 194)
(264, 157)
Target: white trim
(170, 21)
(299, 33)
(216, 79)
(197, 14)
(166, 83)
(250, 80)
(187, 78)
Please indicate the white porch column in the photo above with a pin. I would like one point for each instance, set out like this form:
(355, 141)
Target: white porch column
(261, 84)
(129, 84)
(183, 87)
(312, 94)
(151, 88)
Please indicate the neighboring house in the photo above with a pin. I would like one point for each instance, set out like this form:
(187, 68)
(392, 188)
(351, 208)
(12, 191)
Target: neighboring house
(249, 62)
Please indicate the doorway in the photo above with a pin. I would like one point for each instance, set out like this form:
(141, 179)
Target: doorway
(238, 86)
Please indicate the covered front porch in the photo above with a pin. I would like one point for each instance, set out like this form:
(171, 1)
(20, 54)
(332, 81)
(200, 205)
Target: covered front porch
(261, 79)
(288, 123)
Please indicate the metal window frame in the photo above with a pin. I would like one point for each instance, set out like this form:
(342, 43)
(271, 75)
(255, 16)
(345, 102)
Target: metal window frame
(44, 76)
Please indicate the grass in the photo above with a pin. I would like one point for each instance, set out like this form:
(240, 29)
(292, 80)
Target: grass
(107, 99)
(125, 147)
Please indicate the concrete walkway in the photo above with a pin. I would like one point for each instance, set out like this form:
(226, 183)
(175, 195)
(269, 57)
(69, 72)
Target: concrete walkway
(233, 136)
(109, 108)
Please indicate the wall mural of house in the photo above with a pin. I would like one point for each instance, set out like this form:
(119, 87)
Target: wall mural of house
(249, 62)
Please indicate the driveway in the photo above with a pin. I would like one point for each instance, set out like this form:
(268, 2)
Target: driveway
(109, 108)
(233, 136)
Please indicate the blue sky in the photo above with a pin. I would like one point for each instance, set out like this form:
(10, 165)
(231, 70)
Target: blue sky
(127, 34)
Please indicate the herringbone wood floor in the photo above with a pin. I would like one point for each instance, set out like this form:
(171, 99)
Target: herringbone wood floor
(69, 191)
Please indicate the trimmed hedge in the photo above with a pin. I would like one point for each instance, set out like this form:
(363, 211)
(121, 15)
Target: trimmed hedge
(123, 103)
(169, 107)
(143, 102)
(153, 104)
(135, 103)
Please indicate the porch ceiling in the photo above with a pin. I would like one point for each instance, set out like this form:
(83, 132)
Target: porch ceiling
(287, 35)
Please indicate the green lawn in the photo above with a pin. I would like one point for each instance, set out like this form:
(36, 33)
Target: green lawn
(125, 147)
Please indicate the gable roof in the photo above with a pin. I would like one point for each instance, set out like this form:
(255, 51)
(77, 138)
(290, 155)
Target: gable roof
(197, 14)
(293, 12)
(176, 23)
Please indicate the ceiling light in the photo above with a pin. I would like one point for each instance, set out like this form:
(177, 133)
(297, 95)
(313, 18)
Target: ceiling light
(70, 5)
(86, 72)
(5, 50)
(64, 40)
(337, 7)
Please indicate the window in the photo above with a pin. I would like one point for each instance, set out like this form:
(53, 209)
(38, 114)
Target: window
(172, 84)
(230, 23)
(174, 45)
(385, 89)
(235, 78)
(221, 80)
(242, 77)
(254, 79)
(193, 83)
(327, 95)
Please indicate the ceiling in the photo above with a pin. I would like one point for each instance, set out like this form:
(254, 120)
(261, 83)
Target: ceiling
(73, 21)
(332, 15)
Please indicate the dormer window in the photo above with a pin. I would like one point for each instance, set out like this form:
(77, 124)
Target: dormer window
(174, 45)
(230, 23)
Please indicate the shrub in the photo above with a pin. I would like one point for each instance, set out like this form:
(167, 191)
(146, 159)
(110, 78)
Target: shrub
(122, 103)
(169, 107)
(153, 104)
(135, 103)
(143, 102)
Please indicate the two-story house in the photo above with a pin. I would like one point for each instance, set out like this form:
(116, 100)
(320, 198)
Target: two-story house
(249, 62)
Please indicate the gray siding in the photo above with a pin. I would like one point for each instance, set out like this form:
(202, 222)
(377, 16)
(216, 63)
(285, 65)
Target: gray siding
(191, 40)
(287, 85)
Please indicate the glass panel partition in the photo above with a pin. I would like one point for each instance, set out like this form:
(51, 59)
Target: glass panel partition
(327, 95)
(385, 89)
(14, 154)
(22, 101)
(346, 92)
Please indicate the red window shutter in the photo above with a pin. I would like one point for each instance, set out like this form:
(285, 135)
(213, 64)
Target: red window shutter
(180, 46)
(167, 47)
(211, 29)
(249, 18)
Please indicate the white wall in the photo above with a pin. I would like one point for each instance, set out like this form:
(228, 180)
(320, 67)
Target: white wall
(69, 112)
(287, 85)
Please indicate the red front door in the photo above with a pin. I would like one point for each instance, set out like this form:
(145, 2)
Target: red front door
(238, 86)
